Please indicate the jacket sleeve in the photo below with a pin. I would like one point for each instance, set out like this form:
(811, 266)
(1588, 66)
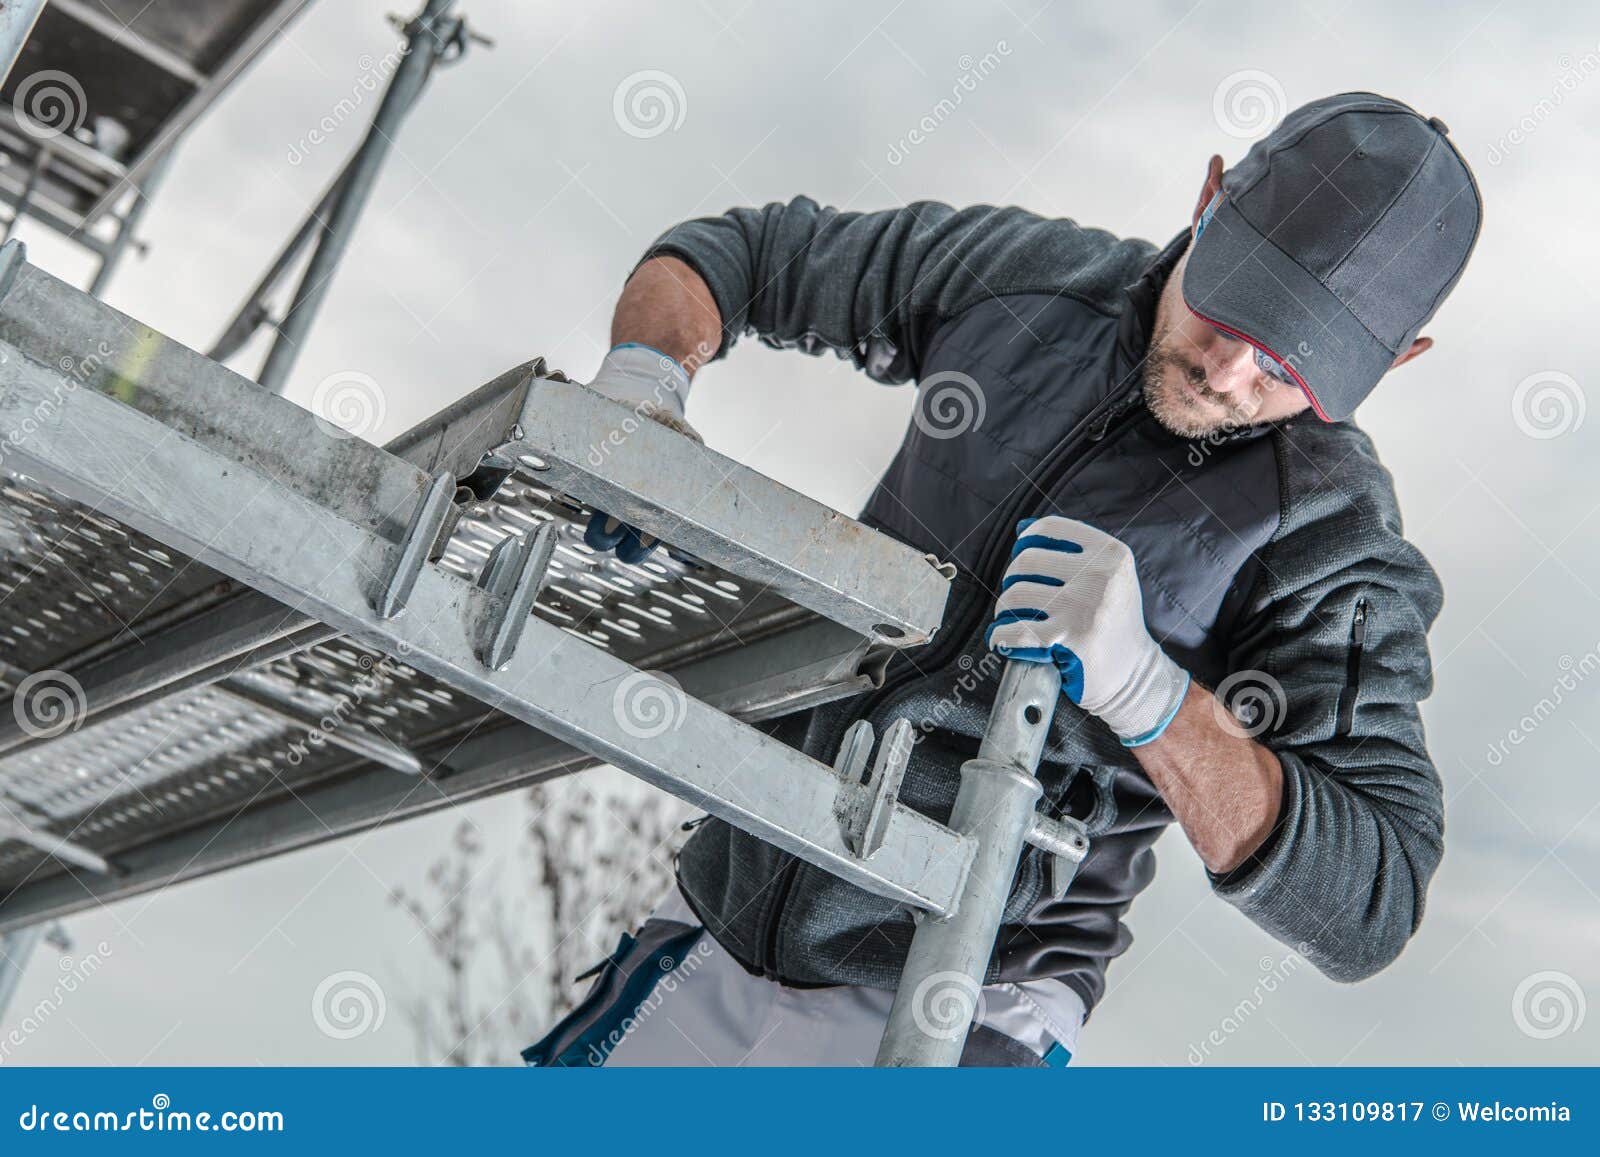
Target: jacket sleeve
(1333, 643)
(872, 286)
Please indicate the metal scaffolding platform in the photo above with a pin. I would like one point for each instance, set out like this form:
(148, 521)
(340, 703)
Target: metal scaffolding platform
(102, 91)
(187, 696)
(234, 629)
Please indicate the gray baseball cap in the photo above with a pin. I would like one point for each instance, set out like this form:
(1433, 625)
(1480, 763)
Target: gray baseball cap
(1334, 241)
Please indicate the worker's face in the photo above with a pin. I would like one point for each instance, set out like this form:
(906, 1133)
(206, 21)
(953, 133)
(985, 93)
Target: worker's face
(1200, 381)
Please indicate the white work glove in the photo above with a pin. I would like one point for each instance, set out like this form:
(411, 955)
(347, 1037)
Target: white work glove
(1071, 597)
(653, 386)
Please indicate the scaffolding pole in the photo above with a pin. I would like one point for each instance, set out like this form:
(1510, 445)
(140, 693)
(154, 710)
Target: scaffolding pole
(944, 972)
(428, 37)
(17, 18)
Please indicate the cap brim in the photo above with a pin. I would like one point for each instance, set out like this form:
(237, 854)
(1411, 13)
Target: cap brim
(1241, 282)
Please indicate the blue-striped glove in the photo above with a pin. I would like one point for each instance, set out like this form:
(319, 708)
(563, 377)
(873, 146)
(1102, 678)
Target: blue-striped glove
(1071, 597)
(653, 386)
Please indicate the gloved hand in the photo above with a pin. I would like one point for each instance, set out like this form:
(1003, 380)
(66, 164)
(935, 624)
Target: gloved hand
(654, 386)
(1071, 597)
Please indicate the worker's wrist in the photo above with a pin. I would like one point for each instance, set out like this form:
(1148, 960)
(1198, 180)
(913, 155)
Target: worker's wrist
(1145, 707)
(645, 378)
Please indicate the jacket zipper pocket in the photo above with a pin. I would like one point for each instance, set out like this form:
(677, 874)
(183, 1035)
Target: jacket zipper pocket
(1352, 670)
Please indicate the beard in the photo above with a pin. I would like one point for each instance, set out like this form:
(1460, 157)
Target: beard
(1165, 375)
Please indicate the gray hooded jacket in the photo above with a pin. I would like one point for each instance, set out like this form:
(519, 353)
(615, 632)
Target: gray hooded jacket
(1272, 563)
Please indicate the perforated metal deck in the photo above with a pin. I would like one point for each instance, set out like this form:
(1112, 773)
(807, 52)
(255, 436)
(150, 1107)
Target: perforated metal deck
(76, 585)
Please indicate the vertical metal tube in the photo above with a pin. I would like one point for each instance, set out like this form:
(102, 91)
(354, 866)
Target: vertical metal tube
(422, 48)
(16, 22)
(942, 981)
(41, 162)
(15, 949)
(126, 227)
(250, 316)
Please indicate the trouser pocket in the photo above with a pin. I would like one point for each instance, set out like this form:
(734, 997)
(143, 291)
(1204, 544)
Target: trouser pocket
(585, 1037)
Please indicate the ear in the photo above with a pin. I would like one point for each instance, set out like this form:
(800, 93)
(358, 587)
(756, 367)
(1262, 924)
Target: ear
(1209, 190)
(1421, 346)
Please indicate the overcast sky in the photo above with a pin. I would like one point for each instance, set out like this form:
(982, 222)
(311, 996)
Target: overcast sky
(515, 204)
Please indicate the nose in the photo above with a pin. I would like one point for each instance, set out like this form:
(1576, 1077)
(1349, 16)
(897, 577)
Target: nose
(1230, 366)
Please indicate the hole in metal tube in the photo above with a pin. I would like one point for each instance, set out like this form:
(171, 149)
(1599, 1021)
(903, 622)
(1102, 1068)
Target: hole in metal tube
(1032, 714)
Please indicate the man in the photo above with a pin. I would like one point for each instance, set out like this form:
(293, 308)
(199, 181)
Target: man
(1220, 574)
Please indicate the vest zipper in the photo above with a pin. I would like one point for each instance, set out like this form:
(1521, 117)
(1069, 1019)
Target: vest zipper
(1346, 716)
(1112, 410)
